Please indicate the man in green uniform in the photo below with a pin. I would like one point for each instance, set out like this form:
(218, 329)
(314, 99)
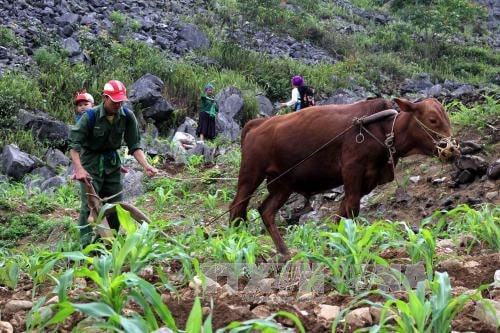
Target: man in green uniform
(94, 141)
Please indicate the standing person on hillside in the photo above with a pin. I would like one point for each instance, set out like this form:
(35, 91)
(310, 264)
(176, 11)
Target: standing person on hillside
(302, 95)
(83, 101)
(94, 141)
(208, 112)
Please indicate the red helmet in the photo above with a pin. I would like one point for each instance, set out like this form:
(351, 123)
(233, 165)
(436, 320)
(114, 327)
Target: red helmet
(115, 90)
(83, 96)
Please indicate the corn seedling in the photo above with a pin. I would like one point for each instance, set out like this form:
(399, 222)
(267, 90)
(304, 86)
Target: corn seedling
(305, 238)
(115, 287)
(162, 197)
(430, 308)
(237, 245)
(353, 253)
(9, 269)
(421, 246)
(484, 223)
(268, 325)
(193, 163)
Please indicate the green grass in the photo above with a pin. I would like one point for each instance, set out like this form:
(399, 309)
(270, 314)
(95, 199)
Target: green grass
(476, 116)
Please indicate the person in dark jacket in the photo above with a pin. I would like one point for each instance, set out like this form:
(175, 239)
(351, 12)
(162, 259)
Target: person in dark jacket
(208, 112)
(94, 145)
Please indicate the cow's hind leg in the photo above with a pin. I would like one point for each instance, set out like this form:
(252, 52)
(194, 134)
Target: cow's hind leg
(276, 199)
(247, 184)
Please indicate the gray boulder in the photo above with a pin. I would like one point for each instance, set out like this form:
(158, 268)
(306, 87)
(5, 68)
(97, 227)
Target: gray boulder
(55, 158)
(266, 108)
(132, 184)
(419, 85)
(67, 19)
(344, 96)
(160, 111)
(188, 126)
(472, 163)
(72, 46)
(43, 173)
(44, 127)
(469, 147)
(89, 19)
(230, 113)
(451, 85)
(463, 90)
(194, 38)
(493, 171)
(52, 184)
(435, 91)
(146, 90)
(203, 150)
(15, 163)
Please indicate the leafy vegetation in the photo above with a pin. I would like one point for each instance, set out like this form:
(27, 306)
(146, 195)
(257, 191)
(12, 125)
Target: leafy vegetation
(476, 116)
(429, 308)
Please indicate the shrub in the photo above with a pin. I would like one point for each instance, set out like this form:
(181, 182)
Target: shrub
(8, 38)
(18, 227)
(476, 116)
(16, 92)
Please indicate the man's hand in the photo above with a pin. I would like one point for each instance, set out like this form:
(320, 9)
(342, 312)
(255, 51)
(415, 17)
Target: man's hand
(282, 105)
(150, 170)
(80, 174)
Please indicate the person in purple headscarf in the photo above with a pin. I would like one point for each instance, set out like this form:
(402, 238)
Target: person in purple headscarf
(297, 82)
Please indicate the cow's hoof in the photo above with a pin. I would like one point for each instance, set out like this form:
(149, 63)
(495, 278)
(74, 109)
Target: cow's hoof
(284, 257)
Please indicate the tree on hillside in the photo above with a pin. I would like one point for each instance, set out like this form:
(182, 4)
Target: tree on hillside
(438, 17)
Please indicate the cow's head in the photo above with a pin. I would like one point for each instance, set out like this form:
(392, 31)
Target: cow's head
(430, 128)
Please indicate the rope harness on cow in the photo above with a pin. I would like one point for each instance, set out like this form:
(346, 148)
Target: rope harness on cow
(451, 147)
(389, 138)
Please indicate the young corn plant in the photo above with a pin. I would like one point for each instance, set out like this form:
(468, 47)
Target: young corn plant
(305, 238)
(117, 286)
(162, 197)
(267, 325)
(238, 245)
(421, 246)
(9, 269)
(195, 322)
(483, 223)
(193, 163)
(429, 309)
(352, 256)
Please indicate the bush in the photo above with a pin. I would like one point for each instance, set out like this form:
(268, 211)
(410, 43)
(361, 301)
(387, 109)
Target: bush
(16, 92)
(476, 116)
(18, 227)
(8, 38)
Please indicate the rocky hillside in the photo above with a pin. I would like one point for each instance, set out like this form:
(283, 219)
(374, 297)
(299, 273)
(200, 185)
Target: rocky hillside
(165, 51)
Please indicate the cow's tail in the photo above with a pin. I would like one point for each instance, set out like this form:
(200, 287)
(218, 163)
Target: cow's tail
(249, 126)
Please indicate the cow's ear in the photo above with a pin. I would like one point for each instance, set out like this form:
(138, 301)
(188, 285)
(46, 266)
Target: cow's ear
(404, 104)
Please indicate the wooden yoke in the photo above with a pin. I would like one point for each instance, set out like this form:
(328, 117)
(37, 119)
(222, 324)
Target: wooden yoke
(95, 205)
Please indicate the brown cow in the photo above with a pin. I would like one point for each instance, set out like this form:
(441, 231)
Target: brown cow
(282, 149)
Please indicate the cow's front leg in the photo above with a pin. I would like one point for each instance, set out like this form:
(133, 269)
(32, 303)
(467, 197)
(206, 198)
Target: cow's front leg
(353, 187)
(350, 206)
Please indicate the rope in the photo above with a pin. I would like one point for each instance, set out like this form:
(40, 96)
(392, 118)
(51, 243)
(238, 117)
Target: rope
(452, 147)
(388, 143)
(191, 179)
